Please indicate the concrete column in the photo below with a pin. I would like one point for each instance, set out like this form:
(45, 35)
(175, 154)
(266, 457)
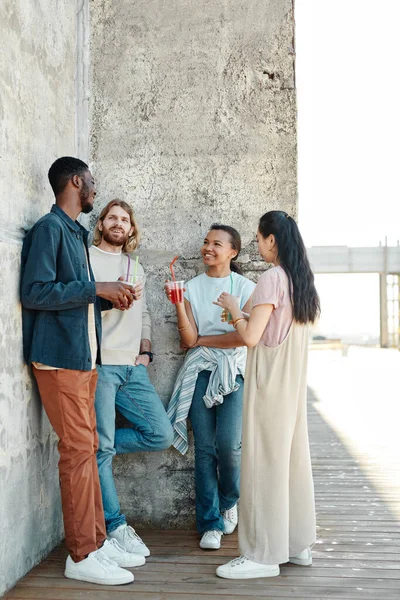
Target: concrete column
(193, 121)
(384, 326)
(82, 80)
(384, 334)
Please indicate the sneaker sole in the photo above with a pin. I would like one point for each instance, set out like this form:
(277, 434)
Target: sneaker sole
(249, 575)
(143, 553)
(303, 562)
(131, 564)
(210, 547)
(116, 581)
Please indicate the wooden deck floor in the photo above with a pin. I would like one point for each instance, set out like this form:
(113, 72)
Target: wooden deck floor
(357, 555)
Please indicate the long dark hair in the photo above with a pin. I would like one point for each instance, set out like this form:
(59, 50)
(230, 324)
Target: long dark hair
(235, 241)
(292, 256)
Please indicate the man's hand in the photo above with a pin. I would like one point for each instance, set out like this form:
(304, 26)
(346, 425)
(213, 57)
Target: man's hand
(142, 359)
(122, 295)
(138, 288)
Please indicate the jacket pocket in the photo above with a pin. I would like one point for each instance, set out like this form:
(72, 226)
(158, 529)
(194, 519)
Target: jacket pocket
(65, 336)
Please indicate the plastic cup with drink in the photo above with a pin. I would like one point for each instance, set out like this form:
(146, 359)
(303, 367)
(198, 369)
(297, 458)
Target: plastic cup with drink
(226, 316)
(175, 288)
(135, 279)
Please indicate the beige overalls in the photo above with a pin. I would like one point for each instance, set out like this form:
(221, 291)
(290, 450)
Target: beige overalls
(277, 513)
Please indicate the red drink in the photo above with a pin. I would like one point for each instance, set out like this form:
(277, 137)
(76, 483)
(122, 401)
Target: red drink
(176, 291)
(176, 295)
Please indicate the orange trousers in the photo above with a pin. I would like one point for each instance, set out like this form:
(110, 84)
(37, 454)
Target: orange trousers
(68, 399)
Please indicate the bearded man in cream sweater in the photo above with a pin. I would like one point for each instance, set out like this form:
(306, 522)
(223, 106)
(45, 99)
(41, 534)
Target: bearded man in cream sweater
(123, 382)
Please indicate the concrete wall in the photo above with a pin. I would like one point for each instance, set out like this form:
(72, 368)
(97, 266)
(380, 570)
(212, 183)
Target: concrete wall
(37, 113)
(193, 120)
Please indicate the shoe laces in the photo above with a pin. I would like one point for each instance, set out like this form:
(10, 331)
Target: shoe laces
(103, 559)
(213, 534)
(130, 532)
(230, 514)
(115, 543)
(238, 561)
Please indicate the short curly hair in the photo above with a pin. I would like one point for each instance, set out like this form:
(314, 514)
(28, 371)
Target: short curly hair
(63, 169)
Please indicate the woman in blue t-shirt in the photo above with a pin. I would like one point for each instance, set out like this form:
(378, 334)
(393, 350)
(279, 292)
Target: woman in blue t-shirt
(209, 386)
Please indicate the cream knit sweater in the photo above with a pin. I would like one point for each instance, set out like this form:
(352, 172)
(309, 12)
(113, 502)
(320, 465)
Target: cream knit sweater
(123, 330)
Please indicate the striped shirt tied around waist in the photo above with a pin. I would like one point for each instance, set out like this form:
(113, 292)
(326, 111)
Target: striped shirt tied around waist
(224, 365)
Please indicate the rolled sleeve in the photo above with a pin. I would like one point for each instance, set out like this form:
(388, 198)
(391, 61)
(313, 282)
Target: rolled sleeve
(268, 290)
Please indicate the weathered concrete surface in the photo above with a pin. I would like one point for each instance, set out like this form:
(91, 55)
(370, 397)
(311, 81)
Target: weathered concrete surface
(37, 69)
(193, 120)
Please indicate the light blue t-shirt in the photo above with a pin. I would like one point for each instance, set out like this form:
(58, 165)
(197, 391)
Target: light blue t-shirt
(202, 291)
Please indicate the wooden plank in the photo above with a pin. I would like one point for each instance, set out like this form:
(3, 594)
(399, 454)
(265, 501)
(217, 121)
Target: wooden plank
(54, 569)
(267, 593)
(206, 570)
(386, 561)
(238, 591)
(205, 584)
(193, 565)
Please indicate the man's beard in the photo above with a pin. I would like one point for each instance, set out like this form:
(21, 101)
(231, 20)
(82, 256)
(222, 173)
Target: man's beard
(107, 237)
(84, 195)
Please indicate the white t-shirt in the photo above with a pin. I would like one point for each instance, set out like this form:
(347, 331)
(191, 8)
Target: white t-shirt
(202, 291)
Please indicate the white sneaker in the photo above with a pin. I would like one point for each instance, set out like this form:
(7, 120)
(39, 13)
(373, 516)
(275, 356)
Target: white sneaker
(97, 568)
(211, 540)
(114, 551)
(304, 558)
(129, 540)
(230, 518)
(244, 568)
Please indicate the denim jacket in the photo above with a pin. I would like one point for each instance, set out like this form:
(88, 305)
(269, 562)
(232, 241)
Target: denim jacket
(56, 292)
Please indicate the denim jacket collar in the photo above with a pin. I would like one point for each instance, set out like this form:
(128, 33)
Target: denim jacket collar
(74, 225)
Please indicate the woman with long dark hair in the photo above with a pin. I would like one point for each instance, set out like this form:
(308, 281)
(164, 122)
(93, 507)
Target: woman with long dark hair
(277, 514)
(209, 385)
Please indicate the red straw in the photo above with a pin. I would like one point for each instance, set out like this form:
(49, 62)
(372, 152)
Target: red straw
(171, 268)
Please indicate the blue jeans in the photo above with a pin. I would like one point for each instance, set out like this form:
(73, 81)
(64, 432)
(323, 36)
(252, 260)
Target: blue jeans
(218, 443)
(129, 389)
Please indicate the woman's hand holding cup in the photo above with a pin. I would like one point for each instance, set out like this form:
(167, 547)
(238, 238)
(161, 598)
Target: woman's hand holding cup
(174, 291)
(229, 304)
(226, 300)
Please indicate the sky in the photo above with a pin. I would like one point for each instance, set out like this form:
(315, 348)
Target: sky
(348, 92)
(347, 73)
